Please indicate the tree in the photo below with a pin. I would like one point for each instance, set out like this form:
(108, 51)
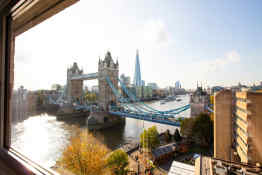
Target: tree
(177, 136)
(149, 138)
(203, 129)
(39, 100)
(199, 129)
(168, 136)
(85, 155)
(90, 96)
(118, 161)
(56, 87)
(186, 127)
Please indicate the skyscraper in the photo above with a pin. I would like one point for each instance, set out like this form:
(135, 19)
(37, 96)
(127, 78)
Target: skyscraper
(137, 77)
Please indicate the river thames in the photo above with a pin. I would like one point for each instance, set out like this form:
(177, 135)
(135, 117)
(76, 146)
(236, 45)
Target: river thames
(42, 138)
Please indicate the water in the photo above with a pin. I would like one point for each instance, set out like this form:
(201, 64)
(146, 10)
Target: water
(42, 138)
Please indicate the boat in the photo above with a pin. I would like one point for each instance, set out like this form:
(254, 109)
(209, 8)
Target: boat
(170, 98)
(162, 102)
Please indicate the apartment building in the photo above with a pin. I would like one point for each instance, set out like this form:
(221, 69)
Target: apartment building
(238, 126)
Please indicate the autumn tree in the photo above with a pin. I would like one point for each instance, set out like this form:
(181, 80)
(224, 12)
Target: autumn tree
(149, 138)
(85, 155)
(118, 161)
(90, 96)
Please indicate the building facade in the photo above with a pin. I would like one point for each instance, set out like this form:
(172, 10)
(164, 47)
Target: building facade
(107, 68)
(238, 126)
(152, 85)
(223, 125)
(248, 126)
(137, 76)
(198, 100)
(178, 85)
(74, 88)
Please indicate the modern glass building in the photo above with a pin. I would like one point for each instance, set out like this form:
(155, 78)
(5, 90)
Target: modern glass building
(137, 76)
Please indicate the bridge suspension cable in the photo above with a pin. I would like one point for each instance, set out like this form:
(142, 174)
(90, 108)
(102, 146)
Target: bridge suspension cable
(133, 97)
(116, 93)
(143, 112)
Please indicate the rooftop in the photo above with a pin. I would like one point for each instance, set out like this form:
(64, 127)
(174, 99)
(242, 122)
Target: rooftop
(178, 168)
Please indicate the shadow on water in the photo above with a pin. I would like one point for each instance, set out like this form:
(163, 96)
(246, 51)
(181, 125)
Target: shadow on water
(112, 137)
(80, 122)
(42, 138)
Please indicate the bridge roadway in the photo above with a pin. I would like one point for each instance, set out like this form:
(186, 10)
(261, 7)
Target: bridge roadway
(90, 76)
(138, 110)
(146, 117)
(156, 118)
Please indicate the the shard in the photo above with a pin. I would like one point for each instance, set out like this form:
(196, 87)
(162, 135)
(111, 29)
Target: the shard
(137, 77)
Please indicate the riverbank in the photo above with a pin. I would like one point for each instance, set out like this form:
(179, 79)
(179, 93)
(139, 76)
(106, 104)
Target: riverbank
(56, 134)
(72, 115)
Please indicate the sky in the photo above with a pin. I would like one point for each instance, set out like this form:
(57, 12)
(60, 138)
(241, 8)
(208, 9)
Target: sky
(213, 42)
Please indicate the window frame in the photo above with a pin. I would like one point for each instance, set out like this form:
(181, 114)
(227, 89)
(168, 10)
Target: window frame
(33, 13)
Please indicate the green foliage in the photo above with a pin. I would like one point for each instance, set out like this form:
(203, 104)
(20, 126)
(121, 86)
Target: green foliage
(203, 129)
(180, 119)
(199, 129)
(56, 87)
(149, 138)
(186, 127)
(118, 161)
(177, 136)
(168, 136)
(39, 100)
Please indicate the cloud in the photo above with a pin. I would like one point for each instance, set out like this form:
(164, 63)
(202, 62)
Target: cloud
(155, 31)
(217, 64)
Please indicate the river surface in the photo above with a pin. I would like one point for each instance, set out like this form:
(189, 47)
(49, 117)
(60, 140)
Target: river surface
(42, 138)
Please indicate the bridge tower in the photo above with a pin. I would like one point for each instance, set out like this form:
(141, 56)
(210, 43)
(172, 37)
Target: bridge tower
(74, 89)
(107, 68)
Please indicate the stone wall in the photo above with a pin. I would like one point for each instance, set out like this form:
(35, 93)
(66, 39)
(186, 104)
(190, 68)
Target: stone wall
(106, 94)
(76, 89)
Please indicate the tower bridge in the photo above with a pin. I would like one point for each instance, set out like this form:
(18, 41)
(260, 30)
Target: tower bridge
(112, 105)
(90, 76)
(106, 68)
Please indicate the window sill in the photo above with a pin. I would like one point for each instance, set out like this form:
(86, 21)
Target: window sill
(13, 163)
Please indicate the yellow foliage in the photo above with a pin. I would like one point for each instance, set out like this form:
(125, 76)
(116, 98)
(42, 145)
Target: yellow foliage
(212, 103)
(85, 155)
(90, 96)
(212, 99)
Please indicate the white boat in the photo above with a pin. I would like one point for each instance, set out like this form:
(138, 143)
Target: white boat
(170, 98)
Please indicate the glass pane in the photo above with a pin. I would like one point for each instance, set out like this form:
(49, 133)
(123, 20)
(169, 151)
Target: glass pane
(134, 75)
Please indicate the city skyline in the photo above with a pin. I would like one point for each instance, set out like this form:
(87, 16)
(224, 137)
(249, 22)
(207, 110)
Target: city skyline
(213, 43)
